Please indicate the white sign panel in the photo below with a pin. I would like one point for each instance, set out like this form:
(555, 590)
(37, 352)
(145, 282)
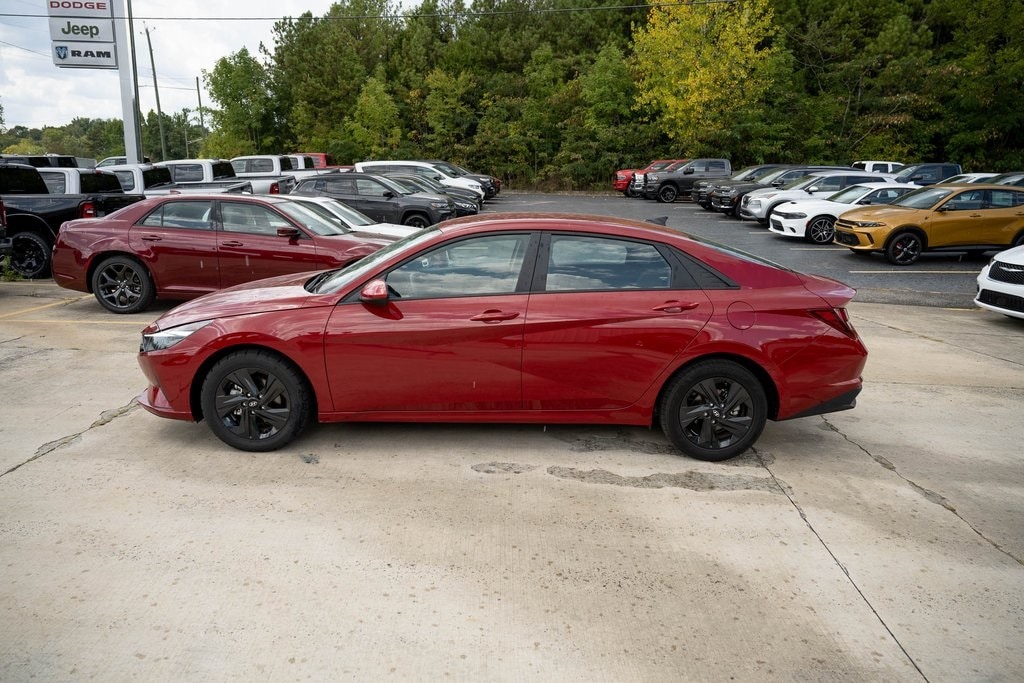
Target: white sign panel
(81, 30)
(85, 55)
(93, 9)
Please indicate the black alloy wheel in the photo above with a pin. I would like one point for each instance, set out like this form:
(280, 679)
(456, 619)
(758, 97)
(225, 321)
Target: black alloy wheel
(123, 285)
(904, 248)
(30, 255)
(821, 230)
(254, 400)
(667, 194)
(714, 410)
(416, 220)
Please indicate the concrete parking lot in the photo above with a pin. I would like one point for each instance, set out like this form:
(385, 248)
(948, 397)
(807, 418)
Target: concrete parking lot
(882, 543)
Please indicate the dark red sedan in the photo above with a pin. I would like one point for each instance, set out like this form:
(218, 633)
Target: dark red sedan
(515, 318)
(182, 246)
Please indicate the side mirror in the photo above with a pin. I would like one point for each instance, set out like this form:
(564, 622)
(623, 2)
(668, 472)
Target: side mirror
(812, 189)
(388, 194)
(289, 232)
(688, 171)
(942, 209)
(374, 292)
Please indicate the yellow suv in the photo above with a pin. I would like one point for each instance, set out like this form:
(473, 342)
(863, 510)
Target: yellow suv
(938, 217)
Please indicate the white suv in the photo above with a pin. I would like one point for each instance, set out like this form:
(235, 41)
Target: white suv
(758, 205)
(419, 168)
(878, 166)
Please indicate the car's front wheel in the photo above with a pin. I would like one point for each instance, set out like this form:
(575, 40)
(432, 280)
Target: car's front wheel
(254, 400)
(713, 410)
(667, 194)
(416, 220)
(821, 229)
(123, 285)
(904, 248)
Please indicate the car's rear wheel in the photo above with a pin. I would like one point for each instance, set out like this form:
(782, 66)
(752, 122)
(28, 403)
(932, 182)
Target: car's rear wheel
(714, 410)
(821, 230)
(416, 220)
(255, 401)
(667, 194)
(30, 255)
(904, 248)
(123, 285)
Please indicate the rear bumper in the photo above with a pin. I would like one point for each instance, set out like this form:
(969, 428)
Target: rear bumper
(844, 401)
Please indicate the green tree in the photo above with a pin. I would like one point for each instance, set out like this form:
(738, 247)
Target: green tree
(374, 125)
(701, 67)
(239, 85)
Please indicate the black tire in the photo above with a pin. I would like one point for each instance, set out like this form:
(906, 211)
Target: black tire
(1018, 241)
(904, 248)
(706, 205)
(821, 230)
(255, 401)
(713, 410)
(631, 193)
(123, 285)
(30, 255)
(667, 194)
(416, 220)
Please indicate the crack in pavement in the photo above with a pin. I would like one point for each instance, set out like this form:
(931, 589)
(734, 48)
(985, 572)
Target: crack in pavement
(927, 494)
(106, 417)
(846, 572)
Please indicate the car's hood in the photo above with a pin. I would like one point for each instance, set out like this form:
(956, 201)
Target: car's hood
(815, 206)
(273, 294)
(877, 213)
(388, 231)
(1013, 256)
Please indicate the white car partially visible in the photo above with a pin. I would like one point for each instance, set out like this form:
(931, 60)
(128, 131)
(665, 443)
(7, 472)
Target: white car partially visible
(1001, 284)
(814, 219)
(357, 222)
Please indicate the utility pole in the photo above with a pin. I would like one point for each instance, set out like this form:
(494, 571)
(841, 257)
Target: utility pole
(159, 113)
(199, 98)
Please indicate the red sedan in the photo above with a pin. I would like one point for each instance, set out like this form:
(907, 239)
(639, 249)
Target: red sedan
(182, 246)
(515, 318)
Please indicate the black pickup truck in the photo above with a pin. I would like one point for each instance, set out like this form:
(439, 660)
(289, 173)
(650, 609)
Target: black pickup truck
(34, 215)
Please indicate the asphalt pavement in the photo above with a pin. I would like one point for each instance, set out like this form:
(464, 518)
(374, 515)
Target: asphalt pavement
(881, 543)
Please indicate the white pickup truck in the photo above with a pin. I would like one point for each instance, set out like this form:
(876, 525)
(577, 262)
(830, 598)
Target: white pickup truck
(258, 167)
(152, 180)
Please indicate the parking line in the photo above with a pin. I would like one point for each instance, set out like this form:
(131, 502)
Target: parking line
(137, 323)
(65, 302)
(817, 248)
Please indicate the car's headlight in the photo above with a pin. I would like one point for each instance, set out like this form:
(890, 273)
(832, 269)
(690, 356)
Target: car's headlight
(165, 339)
(797, 214)
(653, 178)
(868, 224)
(439, 205)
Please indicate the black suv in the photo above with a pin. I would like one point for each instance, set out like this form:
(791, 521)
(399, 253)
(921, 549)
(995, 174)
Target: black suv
(380, 198)
(927, 174)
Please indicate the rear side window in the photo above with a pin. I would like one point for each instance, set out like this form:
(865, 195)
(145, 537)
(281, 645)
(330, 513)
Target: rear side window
(15, 180)
(56, 182)
(194, 215)
(99, 182)
(127, 180)
(1005, 199)
(186, 173)
(583, 263)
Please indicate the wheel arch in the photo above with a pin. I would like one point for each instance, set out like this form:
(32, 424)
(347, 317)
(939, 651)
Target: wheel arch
(916, 229)
(196, 385)
(97, 259)
(771, 390)
(416, 212)
(26, 222)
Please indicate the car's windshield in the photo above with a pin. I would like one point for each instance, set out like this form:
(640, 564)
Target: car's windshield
(925, 198)
(392, 185)
(316, 219)
(906, 172)
(338, 279)
(768, 178)
(801, 182)
(850, 194)
(450, 169)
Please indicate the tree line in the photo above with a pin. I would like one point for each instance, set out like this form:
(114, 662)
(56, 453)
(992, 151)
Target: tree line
(560, 93)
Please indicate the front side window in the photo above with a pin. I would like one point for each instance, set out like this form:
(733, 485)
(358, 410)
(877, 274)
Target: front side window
(251, 218)
(971, 200)
(584, 263)
(370, 188)
(471, 267)
(193, 215)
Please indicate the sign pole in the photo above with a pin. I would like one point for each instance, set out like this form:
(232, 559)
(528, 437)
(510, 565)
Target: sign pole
(129, 89)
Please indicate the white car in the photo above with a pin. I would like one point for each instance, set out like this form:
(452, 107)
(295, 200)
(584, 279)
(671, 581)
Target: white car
(815, 219)
(357, 222)
(967, 178)
(420, 168)
(759, 204)
(1001, 284)
(878, 166)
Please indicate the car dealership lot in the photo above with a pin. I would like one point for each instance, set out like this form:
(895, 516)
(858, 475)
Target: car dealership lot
(879, 543)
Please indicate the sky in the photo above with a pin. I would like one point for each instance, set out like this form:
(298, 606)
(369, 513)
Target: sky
(188, 36)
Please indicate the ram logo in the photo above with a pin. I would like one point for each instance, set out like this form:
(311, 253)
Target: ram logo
(62, 52)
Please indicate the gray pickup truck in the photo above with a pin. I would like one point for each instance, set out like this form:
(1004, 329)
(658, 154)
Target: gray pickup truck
(667, 186)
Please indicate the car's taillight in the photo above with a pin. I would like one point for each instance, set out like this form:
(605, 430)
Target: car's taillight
(275, 188)
(837, 318)
(87, 210)
(3, 213)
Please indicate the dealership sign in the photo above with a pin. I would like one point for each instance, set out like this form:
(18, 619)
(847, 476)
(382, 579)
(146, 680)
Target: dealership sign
(82, 34)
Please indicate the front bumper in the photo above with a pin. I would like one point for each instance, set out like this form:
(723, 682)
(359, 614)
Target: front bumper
(754, 209)
(787, 227)
(1001, 297)
(723, 202)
